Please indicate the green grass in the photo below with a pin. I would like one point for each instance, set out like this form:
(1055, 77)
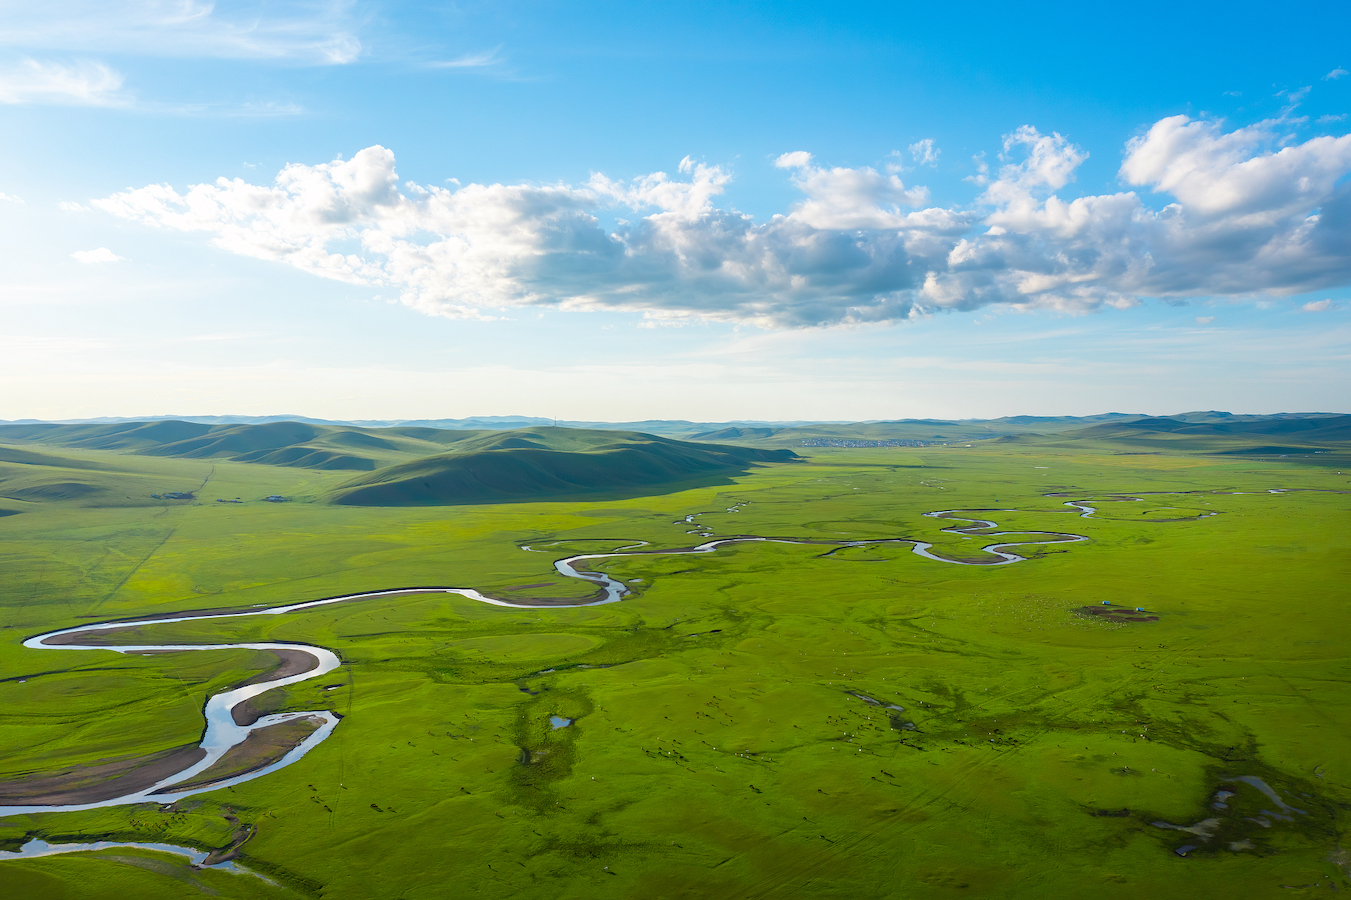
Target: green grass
(715, 751)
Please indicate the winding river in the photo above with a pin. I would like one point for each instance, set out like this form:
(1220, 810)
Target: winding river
(223, 732)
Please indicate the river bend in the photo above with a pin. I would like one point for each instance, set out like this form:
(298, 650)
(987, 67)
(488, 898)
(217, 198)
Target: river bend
(223, 732)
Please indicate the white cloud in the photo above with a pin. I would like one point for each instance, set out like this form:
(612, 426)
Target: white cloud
(470, 60)
(68, 206)
(1048, 162)
(1334, 74)
(1204, 320)
(101, 255)
(10, 198)
(264, 110)
(1319, 306)
(1330, 118)
(924, 152)
(1236, 174)
(982, 176)
(84, 82)
(843, 198)
(798, 159)
(1247, 211)
(1294, 98)
(319, 32)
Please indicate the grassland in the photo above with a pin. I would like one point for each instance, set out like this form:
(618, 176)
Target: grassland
(716, 749)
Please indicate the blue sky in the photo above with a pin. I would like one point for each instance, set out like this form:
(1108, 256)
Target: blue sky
(701, 211)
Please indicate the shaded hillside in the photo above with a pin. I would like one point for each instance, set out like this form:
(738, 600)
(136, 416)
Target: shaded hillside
(672, 427)
(1304, 430)
(913, 431)
(538, 463)
(901, 432)
(298, 444)
(1221, 434)
(28, 478)
(315, 445)
(921, 432)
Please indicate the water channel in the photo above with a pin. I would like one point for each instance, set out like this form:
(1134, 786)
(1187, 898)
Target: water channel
(222, 732)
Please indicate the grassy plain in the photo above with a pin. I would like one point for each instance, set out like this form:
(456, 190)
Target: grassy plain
(716, 751)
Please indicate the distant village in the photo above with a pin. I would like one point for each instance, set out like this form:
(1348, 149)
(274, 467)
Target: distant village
(189, 495)
(831, 442)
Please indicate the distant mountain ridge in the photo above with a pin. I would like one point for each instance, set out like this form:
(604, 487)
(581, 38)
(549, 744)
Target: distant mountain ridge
(675, 426)
(321, 445)
(420, 465)
(478, 423)
(1231, 435)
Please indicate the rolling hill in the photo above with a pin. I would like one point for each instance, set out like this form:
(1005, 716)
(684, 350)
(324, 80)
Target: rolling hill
(28, 478)
(298, 444)
(902, 432)
(538, 463)
(1214, 434)
(645, 459)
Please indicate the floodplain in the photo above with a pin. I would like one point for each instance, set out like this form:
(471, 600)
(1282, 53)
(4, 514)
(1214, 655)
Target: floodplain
(821, 719)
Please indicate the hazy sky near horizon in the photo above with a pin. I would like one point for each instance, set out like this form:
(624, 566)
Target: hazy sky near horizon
(705, 211)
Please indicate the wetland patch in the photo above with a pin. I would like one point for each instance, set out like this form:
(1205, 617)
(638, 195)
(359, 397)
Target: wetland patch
(1112, 613)
(1249, 813)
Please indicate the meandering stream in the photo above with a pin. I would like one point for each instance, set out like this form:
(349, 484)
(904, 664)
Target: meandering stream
(222, 732)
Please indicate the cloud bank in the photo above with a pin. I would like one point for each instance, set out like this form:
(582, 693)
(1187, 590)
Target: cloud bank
(1242, 211)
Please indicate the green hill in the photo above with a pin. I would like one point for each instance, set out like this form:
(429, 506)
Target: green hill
(1212, 434)
(548, 462)
(28, 478)
(899, 432)
(297, 444)
(1305, 432)
(1310, 427)
(337, 447)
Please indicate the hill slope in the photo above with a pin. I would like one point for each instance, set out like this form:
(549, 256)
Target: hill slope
(547, 462)
(316, 445)
(298, 444)
(28, 478)
(1228, 435)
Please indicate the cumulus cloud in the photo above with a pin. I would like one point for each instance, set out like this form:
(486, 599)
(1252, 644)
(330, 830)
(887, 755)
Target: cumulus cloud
(1238, 212)
(924, 152)
(101, 255)
(1319, 305)
(320, 32)
(84, 83)
(797, 159)
(1334, 74)
(843, 198)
